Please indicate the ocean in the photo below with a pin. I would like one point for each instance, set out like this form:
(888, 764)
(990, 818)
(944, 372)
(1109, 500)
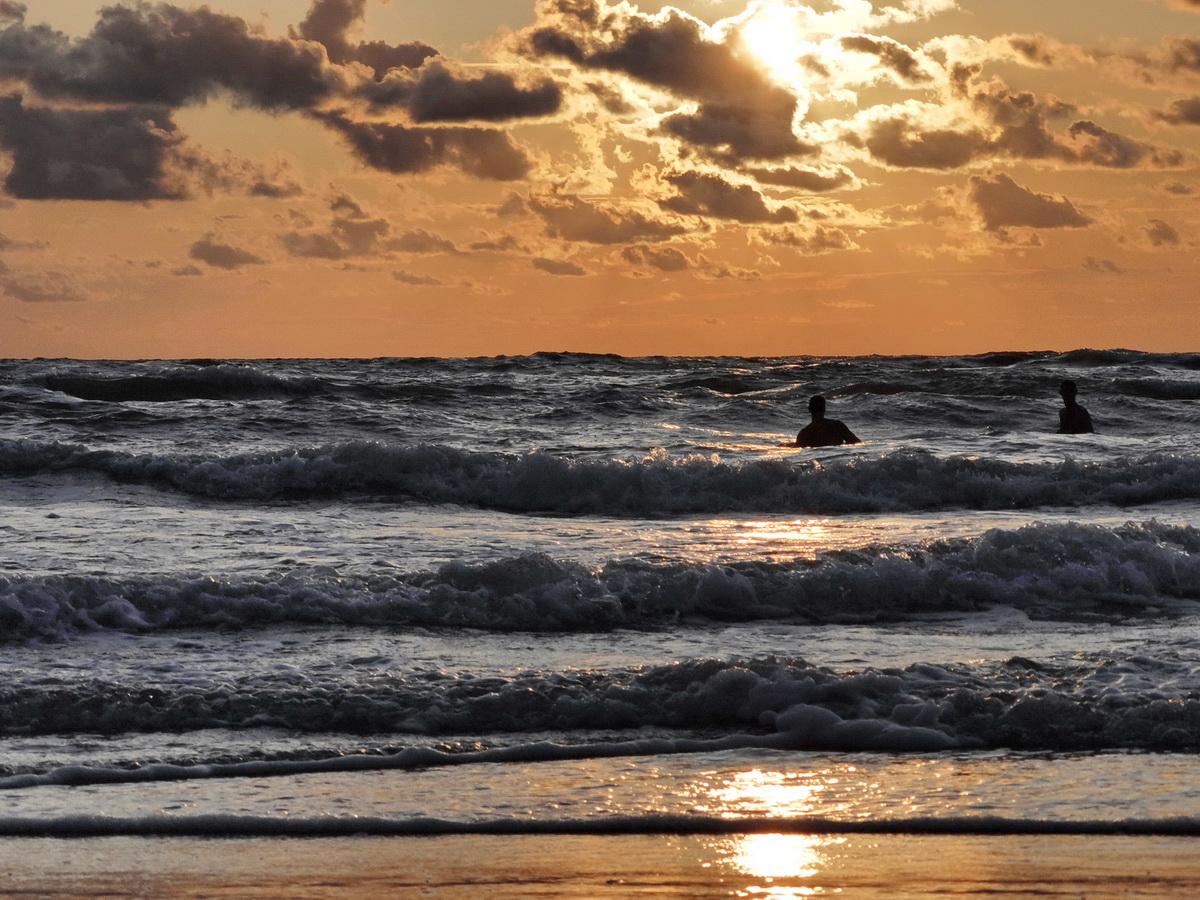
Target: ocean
(576, 594)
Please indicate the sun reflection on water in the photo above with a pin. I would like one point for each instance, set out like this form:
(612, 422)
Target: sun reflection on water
(783, 864)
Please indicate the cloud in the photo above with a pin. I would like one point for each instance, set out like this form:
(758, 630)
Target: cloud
(739, 113)
(892, 55)
(421, 241)
(162, 54)
(417, 280)
(1003, 204)
(1161, 234)
(706, 194)
(1179, 188)
(1102, 266)
(400, 149)
(806, 179)
(439, 92)
(558, 266)
(819, 240)
(7, 243)
(1181, 112)
(573, 219)
(39, 288)
(222, 256)
(667, 259)
(330, 23)
(123, 153)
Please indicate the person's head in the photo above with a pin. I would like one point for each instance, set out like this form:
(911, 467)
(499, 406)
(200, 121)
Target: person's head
(1068, 391)
(816, 406)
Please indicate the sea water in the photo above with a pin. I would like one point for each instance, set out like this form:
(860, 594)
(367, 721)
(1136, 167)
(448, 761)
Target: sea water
(569, 593)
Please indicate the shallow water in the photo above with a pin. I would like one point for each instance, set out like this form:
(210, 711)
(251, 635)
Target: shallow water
(588, 588)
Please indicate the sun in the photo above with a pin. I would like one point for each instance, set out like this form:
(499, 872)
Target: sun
(771, 37)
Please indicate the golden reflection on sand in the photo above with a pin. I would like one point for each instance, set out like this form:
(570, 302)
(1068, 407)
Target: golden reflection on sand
(781, 862)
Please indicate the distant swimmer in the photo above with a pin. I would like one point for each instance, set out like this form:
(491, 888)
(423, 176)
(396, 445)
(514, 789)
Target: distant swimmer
(1072, 418)
(823, 432)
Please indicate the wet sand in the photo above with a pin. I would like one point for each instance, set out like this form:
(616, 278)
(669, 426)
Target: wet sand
(766, 866)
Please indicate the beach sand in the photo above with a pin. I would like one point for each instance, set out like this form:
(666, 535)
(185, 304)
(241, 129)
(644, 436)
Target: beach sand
(766, 866)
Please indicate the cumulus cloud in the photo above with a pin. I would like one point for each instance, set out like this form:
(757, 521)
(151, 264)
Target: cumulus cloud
(168, 55)
(1181, 112)
(417, 280)
(739, 113)
(708, 194)
(353, 232)
(1003, 203)
(893, 56)
(222, 256)
(821, 239)
(116, 87)
(1162, 234)
(558, 266)
(46, 287)
(122, 153)
(806, 179)
(441, 92)
(666, 259)
(401, 149)
(331, 24)
(1102, 266)
(574, 219)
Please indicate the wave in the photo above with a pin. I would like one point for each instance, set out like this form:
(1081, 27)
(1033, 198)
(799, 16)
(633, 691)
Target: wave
(231, 825)
(692, 706)
(1066, 572)
(657, 485)
(204, 380)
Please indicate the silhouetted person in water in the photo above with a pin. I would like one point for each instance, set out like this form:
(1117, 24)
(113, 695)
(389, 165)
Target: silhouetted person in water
(1072, 418)
(823, 432)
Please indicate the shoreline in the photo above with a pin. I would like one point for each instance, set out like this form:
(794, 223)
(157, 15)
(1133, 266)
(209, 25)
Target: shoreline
(511, 867)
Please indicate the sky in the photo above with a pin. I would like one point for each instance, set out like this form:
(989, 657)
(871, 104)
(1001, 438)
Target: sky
(361, 178)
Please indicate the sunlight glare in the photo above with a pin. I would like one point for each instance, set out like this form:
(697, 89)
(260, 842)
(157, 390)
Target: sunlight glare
(771, 36)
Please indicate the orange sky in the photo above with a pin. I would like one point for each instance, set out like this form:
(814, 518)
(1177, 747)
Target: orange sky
(359, 178)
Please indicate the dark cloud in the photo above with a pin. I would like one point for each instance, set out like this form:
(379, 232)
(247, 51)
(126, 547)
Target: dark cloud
(1005, 204)
(498, 245)
(1101, 147)
(421, 241)
(123, 153)
(574, 219)
(347, 206)
(1179, 188)
(188, 271)
(892, 55)
(417, 280)
(704, 194)
(481, 152)
(330, 22)
(440, 93)
(814, 180)
(313, 245)
(900, 143)
(668, 259)
(163, 54)
(1102, 266)
(1181, 112)
(1162, 234)
(222, 256)
(558, 267)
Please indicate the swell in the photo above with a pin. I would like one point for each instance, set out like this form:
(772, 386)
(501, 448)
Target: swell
(219, 381)
(656, 485)
(1055, 572)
